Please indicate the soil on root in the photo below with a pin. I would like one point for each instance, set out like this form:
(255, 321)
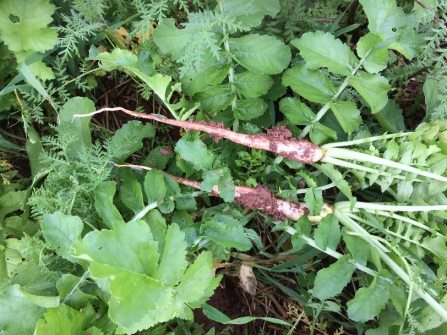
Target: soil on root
(230, 299)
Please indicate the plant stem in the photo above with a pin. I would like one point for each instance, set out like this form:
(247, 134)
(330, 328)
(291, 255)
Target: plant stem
(326, 106)
(358, 156)
(398, 208)
(364, 140)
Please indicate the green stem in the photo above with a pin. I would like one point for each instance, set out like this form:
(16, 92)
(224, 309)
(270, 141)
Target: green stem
(358, 156)
(397, 208)
(326, 106)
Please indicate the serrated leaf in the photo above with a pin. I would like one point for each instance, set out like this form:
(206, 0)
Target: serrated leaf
(228, 234)
(195, 153)
(248, 109)
(312, 85)
(215, 99)
(129, 138)
(373, 88)
(60, 231)
(173, 262)
(330, 281)
(376, 57)
(253, 85)
(347, 115)
(314, 201)
(297, 112)
(154, 186)
(20, 311)
(369, 301)
(327, 234)
(320, 49)
(337, 179)
(104, 194)
(79, 127)
(62, 320)
(260, 53)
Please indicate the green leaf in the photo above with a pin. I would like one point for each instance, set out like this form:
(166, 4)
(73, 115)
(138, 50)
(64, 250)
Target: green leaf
(60, 231)
(229, 234)
(173, 262)
(195, 153)
(312, 85)
(347, 115)
(210, 74)
(131, 193)
(391, 118)
(369, 301)
(104, 205)
(78, 127)
(69, 287)
(20, 311)
(327, 234)
(337, 179)
(320, 49)
(373, 88)
(330, 281)
(154, 186)
(358, 248)
(253, 85)
(251, 13)
(30, 33)
(62, 320)
(222, 178)
(319, 133)
(129, 138)
(297, 112)
(314, 201)
(248, 109)
(216, 99)
(260, 53)
(159, 229)
(34, 149)
(376, 57)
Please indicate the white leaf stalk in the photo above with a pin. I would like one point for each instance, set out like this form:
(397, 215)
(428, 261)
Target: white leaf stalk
(342, 212)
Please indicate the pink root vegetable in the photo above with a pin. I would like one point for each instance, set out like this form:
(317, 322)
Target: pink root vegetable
(255, 198)
(278, 140)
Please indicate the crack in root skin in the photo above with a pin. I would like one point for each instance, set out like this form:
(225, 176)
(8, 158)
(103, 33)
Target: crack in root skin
(262, 198)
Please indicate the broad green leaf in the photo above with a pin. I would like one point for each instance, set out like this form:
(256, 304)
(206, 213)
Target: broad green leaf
(104, 205)
(314, 201)
(327, 234)
(31, 33)
(320, 134)
(369, 301)
(358, 248)
(430, 319)
(376, 57)
(192, 285)
(431, 94)
(18, 226)
(131, 193)
(227, 234)
(251, 13)
(34, 149)
(195, 153)
(373, 88)
(330, 281)
(60, 231)
(154, 186)
(129, 138)
(171, 40)
(210, 74)
(253, 85)
(159, 156)
(62, 320)
(34, 279)
(437, 246)
(260, 53)
(312, 85)
(215, 99)
(248, 109)
(157, 224)
(391, 118)
(210, 179)
(69, 287)
(173, 261)
(221, 178)
(337, 179)
(297, 112)
(347, 115)
(78, 127)
(20, 311)
(320, 49)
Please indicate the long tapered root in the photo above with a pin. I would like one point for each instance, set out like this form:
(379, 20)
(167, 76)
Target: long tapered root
(278, 142)
(260, 198)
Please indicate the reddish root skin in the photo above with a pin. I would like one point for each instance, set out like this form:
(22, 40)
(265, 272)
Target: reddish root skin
(277, 207)
(297, 150)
